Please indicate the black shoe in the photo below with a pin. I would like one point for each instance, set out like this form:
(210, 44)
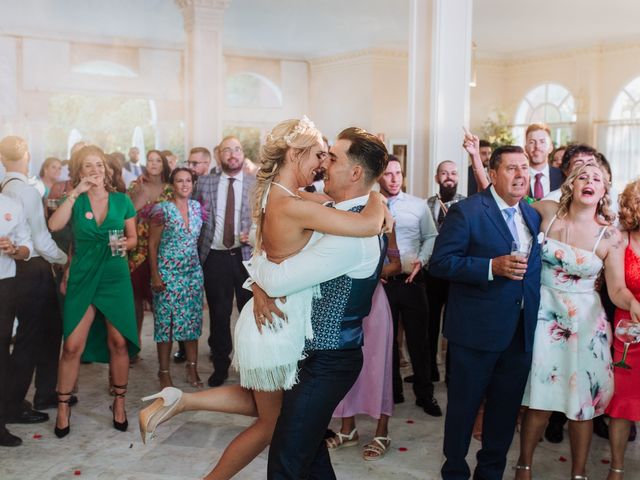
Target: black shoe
(28, 416)
(51, 402)
(554, 432)
(430, 406)
(216, 379)
(409, 378)
(120, 426)
(180, 356)
(8, 440)
(398, 398)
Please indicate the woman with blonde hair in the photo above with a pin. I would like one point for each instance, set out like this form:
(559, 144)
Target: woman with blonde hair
(99, 322)
(624, 407)
(267, 357)
(571, 367)
(50, 173)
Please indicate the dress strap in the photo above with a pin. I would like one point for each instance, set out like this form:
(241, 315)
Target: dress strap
(595, 247)
(546, 232)
(285, 189)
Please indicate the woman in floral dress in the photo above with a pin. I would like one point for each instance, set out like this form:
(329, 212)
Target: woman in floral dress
(571, 369)
(176, 275)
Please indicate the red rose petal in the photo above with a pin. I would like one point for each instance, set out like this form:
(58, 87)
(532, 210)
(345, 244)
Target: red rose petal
(605, 461)
(77, 472)
(562, 459)
(403, 449)
(37, 436)
(409, 421)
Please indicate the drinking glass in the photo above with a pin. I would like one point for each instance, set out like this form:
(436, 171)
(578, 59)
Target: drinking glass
(116, 238)
(627, 332)
(52, 204)
(520, 249)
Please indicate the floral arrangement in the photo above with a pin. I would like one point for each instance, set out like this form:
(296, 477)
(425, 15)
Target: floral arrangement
(497, 130)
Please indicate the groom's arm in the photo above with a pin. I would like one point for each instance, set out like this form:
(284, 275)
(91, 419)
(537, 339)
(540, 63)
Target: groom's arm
(328, 258)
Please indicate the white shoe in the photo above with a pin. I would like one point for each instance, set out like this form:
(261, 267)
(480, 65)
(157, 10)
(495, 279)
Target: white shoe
(159, 411)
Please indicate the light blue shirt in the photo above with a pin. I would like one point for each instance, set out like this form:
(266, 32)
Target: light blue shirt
(416, 231)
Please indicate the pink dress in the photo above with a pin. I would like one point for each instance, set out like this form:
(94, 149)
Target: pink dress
(372, 394)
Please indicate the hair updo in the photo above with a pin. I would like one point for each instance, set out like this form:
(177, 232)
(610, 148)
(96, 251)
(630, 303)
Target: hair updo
(299, 136)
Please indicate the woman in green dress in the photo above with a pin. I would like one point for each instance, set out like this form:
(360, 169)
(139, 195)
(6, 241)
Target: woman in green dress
(99, 317)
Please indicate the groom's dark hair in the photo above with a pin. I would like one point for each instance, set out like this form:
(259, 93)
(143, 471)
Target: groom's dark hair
(366, 150)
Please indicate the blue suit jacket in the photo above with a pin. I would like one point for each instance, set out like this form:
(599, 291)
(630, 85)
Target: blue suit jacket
(484, 314)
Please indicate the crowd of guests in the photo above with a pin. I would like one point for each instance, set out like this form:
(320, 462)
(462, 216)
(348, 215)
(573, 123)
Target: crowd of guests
(519, 276)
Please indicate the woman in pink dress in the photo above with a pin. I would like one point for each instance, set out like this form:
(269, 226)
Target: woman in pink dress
(624, 407)
(372, 394)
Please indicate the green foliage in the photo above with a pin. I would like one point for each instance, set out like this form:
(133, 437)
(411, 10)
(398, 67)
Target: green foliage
(497, 130)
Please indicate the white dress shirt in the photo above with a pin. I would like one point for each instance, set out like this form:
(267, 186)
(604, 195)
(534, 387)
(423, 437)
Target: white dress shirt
(13, 224)
(546, 182)
(524, 235)
(325, 259)
(31, 201)
(221, 206)
(416, 231)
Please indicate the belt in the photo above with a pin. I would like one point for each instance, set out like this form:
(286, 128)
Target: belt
(401, 277)
(230, 251)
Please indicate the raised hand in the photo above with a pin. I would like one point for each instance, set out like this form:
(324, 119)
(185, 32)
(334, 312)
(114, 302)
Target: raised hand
(471, 143)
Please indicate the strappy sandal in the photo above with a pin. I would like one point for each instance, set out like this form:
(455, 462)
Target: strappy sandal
(192, 377)
(342, 440)
(121, 426)
(376, 449)
(63, 432)
(164, 377)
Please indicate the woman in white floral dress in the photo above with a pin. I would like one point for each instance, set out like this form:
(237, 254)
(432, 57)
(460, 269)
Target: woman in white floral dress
(571, 369)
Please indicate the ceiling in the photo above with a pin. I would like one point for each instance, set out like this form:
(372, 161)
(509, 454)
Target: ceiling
(303, 29)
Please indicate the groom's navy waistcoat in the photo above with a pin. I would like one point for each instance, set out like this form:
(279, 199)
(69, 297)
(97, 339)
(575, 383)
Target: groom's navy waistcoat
(337, 316)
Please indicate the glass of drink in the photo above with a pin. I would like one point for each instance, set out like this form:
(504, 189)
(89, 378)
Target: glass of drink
(116, 240)
(627, 332)
(52, 204)
(520, 249)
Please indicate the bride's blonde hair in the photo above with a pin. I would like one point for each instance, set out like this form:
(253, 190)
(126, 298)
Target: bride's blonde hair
(296, 135)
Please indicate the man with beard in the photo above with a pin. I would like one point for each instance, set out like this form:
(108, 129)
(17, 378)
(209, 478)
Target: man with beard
(223, 244)
(543, 177)
(415, 234)
(437, 288)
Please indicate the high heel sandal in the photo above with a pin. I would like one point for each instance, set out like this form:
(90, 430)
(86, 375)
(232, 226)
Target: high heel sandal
(63, 432)
(194, 381)
(164, 377)
(159, 411)
(121, 426)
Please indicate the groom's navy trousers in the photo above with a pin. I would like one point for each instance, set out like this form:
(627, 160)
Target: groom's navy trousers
(298, 450)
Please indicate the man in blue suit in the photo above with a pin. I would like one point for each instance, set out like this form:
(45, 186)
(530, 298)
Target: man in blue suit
(492, 312)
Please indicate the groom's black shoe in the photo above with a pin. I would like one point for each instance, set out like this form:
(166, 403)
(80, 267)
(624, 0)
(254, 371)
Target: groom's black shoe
(430, 406)
(217, 378)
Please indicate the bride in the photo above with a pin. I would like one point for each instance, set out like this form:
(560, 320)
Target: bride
(267, 356)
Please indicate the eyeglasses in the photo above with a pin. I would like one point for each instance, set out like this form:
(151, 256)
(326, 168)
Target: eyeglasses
(228, 150)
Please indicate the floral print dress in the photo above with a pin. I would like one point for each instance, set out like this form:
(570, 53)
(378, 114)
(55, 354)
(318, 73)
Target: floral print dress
(571, 371)
(178, 309)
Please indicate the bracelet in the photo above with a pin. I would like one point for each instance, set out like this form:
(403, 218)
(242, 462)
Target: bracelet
(72, 196)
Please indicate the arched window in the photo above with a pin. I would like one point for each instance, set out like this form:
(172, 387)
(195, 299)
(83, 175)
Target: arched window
(253, 91)
(549, 103)
(622, 139)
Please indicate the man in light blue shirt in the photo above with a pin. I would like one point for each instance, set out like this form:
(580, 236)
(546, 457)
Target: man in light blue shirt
(415, 233)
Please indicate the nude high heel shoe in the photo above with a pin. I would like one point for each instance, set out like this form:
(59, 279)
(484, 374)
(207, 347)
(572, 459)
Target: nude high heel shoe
(159, 411)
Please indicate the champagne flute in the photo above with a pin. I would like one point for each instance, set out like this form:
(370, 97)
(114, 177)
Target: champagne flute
(627, 332)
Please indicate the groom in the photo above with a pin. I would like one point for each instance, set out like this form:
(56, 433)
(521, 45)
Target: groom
(347, 270)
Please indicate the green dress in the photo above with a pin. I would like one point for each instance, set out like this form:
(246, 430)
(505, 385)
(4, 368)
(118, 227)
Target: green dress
(99, 279)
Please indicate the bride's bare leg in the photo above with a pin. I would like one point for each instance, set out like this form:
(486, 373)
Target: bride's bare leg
(224, 399)
(248, 444)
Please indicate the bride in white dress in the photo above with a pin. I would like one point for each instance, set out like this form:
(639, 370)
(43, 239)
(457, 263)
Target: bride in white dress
(266, 356)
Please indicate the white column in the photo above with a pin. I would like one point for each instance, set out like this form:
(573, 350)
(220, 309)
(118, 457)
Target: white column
(204, 70)
(439, 74)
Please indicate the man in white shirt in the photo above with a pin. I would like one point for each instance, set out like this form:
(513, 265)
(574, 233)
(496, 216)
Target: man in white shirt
(223, 244)
(415, 233)
(346, 271)
(15, 244)
(542, 177)
(39, 322)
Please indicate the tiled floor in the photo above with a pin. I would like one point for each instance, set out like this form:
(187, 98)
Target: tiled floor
(189, 445)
